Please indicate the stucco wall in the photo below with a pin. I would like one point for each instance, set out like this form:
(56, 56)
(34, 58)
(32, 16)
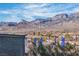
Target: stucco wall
(12, 45)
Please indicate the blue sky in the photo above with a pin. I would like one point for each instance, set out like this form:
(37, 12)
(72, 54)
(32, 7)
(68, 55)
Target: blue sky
(15, 12)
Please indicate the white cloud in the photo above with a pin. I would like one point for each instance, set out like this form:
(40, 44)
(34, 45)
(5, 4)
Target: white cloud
(12, 18)
(29, 10)
(33, 5)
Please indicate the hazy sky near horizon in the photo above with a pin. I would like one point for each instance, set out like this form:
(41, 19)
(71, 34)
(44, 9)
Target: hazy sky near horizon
(15, 12)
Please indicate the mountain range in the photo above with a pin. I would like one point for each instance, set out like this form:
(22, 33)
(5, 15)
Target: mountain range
(59, 22)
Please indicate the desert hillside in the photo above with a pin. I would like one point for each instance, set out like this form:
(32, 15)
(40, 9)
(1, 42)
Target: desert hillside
(59, 22)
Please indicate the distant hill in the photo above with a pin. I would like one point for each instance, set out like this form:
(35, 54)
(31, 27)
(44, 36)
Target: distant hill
(59, 22)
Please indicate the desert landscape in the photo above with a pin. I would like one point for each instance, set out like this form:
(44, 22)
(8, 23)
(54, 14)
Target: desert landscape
(49, 29)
